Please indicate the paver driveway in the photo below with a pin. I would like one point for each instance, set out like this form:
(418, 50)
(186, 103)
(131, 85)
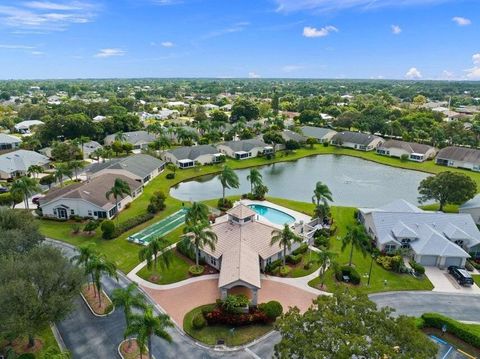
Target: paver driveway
(179, 301)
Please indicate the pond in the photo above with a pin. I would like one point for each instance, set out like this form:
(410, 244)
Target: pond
(353, 182)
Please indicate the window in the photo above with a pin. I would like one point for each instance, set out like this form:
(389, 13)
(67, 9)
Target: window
(89, 212)
(213, 261)
(389, 248)
(72, 211)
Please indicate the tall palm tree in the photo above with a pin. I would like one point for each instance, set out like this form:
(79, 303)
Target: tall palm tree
(25, 187)
(83, 258)
(75, 166)
(119, 189)
(285, 238)
(255, 178)
(355, 237)
(98, 265)
(153, 250)
(99, 152)
(202, 236)
(161, 143)
(324, 258)
(34, 170)
(321, 193)
(198, 212)
(81, 141)
(120, 136)
(128, 298)
(60, 172)
(147, 325)
(229, 179)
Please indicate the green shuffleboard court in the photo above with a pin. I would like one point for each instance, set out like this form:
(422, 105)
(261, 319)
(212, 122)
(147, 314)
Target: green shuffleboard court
(160, 228)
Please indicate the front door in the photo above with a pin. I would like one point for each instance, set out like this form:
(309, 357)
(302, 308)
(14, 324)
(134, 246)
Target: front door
(62, 213)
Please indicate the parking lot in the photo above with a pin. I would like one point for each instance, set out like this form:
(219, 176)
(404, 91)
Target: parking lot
(446, 351)
(444, 282)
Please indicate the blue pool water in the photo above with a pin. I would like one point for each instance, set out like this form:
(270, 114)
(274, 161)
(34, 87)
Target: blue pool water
(272, 214)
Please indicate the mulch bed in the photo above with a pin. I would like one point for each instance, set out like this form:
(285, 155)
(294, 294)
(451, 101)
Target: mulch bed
(453, 340)
(90, 294)
(129, 350)
(208, 268)
(21, 346)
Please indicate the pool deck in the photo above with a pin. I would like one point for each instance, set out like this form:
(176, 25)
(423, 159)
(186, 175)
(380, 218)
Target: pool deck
(299, 217)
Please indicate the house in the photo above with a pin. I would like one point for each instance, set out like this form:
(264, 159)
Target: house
(89, 147)
(356, 140)
(8, 142)
(242, 250)
(459, 157)
(88, 199)
(138, 139)
(322, 135)
(414, 151)
(243, 149)
(99, 118)
(289, 135)
(472, 207)
(189, 156)
(140, 167)
(17, 163)
(25, 126)
(433, 238)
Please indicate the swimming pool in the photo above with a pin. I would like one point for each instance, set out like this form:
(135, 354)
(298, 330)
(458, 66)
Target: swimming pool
(272, 214)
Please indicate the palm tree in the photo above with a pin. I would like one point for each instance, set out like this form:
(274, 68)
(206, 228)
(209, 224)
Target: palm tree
(198, 212)
(202, 236)
(98, 265)
(34, 170)
(324, 258)
(355, 237)
(99, 152)
(152, 250)
(75, 166)
(128, 298)
(229, 179)
(120, 137)
(82, 140)
(60, 172)
(161, 143)
(25, 187)
(255, 178)
(85, 254)
(285, 238)
(119, 189)
(321, 193)
(148, 325)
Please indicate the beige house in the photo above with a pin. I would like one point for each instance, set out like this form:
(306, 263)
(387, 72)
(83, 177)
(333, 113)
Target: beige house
(357, 140)
(415, 151)
(459, 157)
(244, 149)
(190, 156)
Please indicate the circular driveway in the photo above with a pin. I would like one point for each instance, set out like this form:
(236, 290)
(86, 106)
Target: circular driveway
(179, 301)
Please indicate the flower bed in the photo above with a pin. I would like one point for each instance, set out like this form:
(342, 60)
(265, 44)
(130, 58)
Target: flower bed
(129, 349)
(219, 316)
(90, 295)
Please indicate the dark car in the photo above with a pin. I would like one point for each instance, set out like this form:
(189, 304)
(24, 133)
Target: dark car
(461, 275)
(36, 200)
(3, 189)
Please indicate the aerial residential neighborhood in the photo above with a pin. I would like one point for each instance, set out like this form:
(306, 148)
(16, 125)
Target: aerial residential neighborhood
(239, 179)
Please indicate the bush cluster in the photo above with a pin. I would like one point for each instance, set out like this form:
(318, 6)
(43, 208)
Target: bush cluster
(300, 250)
(348, 271)
(109, 230)
(170, 176)
(157, 202)
(232, 303)
(417, 267)
(220, 316)
(272, 309)
(224, 206)
(196, 270)
(460, 330)
(270, 267)
(294, 258)
(199, 321)
(393, 263)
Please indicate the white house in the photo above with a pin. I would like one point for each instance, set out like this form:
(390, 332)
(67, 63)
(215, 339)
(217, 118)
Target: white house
(138, 139)
(472, 207)
(433, 238)
(140, 167)
(357, 140)
(25, 126)
(244, 149)
(88, 199)
(322, 135)
(89, 147)
(459, 157)
(190, 156)
(8, 142)
(414, 151)
(17, 163)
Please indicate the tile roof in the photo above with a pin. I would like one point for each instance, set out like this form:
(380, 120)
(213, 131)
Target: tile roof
(241, 211)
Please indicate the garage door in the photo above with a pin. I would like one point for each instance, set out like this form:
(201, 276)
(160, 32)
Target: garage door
(453, 261)
(428, 260)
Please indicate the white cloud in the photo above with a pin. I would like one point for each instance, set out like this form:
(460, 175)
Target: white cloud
(110, 52)
(291, 68)
(237, 27)
(396, 29)
(37, 53)
(309, 31)
(476, 59)
(45, 15)
(168, 44)
(253, 75)
(338, 5)
(16, 47)
(461, 21)
(413, 74)
(474, 72)
(447, 75)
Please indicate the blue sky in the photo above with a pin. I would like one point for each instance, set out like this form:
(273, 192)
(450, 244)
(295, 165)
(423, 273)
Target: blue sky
(417, 39)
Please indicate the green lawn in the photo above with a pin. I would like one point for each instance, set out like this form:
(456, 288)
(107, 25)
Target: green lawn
(124, 254)
(476, 279)
(300, 271)
(210, 334)
(177, 271)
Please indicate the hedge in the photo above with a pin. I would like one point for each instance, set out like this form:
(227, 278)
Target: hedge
(199, 321)
(417, 267)
(460, 330)
(131, 223)
(270, 267)
(272, 309)
(294, 259)
(350, 272)
(300, 250)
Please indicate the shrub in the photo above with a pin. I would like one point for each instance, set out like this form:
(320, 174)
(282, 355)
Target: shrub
(321, 242)
(186, 248)
(417, 267)
(232, 303)
(9, 199)
(224, 205)
(219, 316)
(170, 176)
(292, 145)
(131, 223)
(301, 250)
(272, 309)
(259, 192)
(393, 263)
(474, 263)
(469, 266)
(325, 144)
(108, 229)
(157, 202)
(196, 270)
(404, 157)
(76, 228)
(199, 321)
(270, 267)
(91, 226)
(294, 259)
(460, 330)
(284, 271)
(26, 356)
(348, 271)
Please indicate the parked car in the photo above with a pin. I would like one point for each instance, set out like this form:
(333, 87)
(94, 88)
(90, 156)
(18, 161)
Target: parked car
(36, 200)
(3, 189)
(461, 276)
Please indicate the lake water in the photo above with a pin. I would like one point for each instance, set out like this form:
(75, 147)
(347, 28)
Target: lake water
(352, 181)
